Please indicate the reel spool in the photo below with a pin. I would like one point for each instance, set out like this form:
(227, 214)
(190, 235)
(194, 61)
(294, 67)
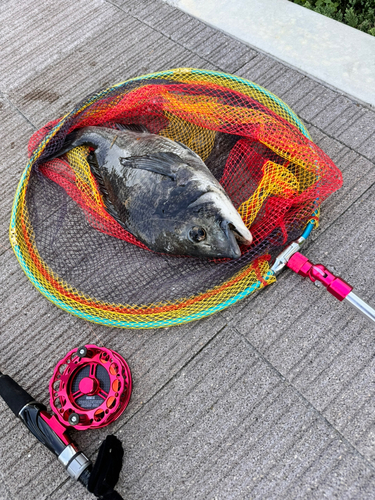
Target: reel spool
(90, 387)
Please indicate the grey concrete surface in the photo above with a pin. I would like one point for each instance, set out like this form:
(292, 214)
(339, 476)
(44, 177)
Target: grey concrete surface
(330, 51)
(273, 397)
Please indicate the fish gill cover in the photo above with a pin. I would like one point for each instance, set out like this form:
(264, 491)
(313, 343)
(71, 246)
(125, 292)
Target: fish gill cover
(83, 260)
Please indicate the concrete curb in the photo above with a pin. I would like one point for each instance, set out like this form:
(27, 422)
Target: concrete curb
(325, 49)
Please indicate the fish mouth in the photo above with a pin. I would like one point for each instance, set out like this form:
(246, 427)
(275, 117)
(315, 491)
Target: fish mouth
(234, 238)
(244, 237)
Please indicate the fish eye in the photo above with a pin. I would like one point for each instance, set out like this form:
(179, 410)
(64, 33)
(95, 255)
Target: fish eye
(197, 234)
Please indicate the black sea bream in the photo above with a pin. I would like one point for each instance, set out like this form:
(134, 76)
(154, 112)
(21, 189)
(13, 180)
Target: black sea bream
(162, 192)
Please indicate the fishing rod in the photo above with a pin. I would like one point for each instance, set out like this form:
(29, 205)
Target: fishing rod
(51, 430)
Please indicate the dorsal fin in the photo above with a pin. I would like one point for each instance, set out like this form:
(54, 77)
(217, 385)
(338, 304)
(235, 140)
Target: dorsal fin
(133, 127)
(193, 153)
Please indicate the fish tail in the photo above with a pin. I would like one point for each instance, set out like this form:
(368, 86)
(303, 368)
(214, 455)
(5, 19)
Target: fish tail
(71, 141)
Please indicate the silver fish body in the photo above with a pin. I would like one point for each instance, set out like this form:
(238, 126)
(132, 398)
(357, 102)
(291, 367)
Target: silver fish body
(162, 192)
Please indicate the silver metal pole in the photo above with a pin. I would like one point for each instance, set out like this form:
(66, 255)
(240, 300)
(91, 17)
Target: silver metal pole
(359, 304)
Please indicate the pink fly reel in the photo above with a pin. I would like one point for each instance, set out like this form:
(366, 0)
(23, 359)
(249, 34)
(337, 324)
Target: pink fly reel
(90, 387)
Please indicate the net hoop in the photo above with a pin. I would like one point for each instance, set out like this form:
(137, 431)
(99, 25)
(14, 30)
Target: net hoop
(162, 315)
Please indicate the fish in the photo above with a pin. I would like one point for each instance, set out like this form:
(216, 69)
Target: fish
(161, 192)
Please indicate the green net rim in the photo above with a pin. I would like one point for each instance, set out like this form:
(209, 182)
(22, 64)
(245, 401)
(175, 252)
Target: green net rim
(270, 276)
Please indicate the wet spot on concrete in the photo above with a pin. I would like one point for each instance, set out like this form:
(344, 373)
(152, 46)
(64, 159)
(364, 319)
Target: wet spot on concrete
(42, 95)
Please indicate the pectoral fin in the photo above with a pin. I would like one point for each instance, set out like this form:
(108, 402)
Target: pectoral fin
(164, 163)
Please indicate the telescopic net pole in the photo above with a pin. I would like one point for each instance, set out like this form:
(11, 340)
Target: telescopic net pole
(335, 285)
(361, 306)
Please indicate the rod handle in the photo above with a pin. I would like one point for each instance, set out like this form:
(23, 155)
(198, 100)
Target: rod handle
(13, 394)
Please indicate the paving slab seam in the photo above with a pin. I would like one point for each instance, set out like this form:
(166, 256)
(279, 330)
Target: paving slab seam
(352, 314)
(24, 305)
(254, 442)
(350, 148)
(31, 448)
(286, 276)
(175, 375)
(25, 486)
(318, 350)
(353, 99)
(328, 423)
(144, 403)
(24, 453)
(328, 367)
(58, 487)
(193, 52)
(157, 30)
(167, 37)
(203, 347)
(50, 320)
(301, 433)
(354, 119)
(6, 98)
(310, 467)
(68, 55)
(349, 207)
(323, 137)
(276, 74)
(245, 430)
(194, 423)
(357, 114)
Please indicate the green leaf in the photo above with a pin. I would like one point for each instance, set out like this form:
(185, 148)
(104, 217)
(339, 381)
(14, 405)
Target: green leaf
(308, 5)
(351, 17)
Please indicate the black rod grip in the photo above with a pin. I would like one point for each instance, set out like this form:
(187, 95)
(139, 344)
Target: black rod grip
(13, 394)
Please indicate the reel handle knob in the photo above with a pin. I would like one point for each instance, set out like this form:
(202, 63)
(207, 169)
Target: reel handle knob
(82, 352)
(74, 419)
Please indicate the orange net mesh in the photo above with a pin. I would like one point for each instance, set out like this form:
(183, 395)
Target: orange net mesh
(254, 145)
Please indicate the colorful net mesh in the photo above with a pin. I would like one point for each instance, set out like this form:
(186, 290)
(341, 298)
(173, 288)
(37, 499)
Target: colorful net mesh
(79, 257)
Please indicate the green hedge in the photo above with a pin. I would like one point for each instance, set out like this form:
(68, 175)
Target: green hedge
(358, 14)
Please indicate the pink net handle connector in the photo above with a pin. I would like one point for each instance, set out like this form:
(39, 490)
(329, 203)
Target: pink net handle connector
(335, 285)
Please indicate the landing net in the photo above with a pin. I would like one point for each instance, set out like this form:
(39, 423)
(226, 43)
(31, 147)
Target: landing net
(81, 259)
